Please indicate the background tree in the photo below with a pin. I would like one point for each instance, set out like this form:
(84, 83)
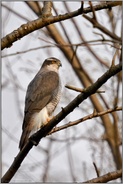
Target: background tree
(88, 43)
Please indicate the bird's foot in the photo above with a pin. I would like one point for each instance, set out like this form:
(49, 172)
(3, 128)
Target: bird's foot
(49, 118)
(45, 123)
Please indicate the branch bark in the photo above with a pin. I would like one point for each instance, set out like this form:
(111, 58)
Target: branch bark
(35, 138)
(45, 19)
(41, 22)
(107, 177)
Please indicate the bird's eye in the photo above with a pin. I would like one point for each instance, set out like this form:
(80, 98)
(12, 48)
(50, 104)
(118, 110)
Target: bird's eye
(53, 61)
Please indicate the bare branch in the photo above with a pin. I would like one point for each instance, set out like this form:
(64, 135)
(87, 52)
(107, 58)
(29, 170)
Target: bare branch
(102, 28)
(34, 25)
(34, 5)
(94, 14)
(65, 45)
(90, 116)
(107, 177)
(41, 22)
(16, 13)
(80, 90)
(46, 10)
(96, 169)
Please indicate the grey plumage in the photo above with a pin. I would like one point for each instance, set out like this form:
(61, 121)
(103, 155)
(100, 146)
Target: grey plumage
(42, 97)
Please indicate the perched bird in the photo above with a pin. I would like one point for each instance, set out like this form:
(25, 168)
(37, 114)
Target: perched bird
(42, 97)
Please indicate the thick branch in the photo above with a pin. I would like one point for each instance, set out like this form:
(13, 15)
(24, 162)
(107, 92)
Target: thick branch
(34, 25)
(41, 22)
(34, 139)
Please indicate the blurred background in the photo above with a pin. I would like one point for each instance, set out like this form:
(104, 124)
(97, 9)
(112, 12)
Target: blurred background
(86, 52)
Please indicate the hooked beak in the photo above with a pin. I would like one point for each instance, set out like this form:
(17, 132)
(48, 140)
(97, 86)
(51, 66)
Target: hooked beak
(60, 64)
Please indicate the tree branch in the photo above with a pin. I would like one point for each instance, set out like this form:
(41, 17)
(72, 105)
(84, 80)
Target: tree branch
(80, 89)
(102, 28)
(107, 177)
(101, 41)
(41, 22)
(35, 138)
(34, 25)
(46, 10)
(85, 118)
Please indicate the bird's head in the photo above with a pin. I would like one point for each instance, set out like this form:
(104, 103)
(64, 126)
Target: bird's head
(52, 63)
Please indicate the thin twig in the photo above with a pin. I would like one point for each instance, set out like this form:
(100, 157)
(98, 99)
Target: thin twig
(65, 45)
(85, 118)
(93, 11)
(80, 90)
(102, 28)
(96, 169)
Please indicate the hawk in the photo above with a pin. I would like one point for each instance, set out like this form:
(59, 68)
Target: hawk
(42, 97)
